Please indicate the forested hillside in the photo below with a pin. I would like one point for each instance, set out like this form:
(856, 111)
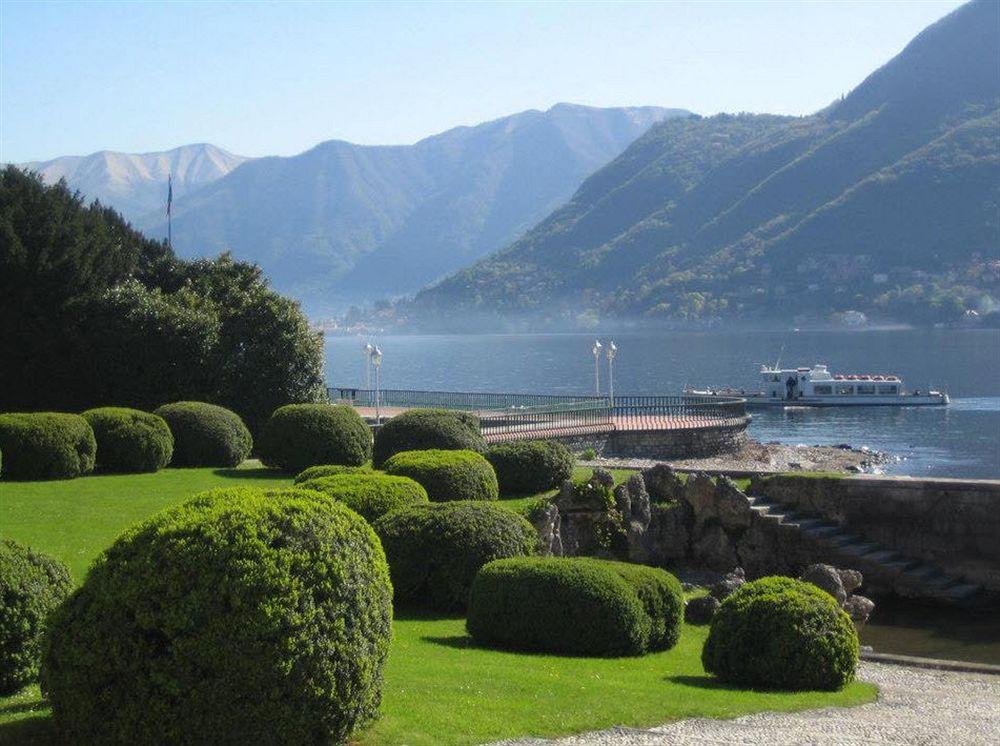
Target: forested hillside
(885, 202)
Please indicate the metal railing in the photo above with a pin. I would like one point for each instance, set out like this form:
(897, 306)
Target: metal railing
(471, 401)
(634, 412)
(511, 416)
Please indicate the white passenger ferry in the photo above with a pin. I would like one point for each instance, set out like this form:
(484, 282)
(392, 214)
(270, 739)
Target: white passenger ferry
(817, 387)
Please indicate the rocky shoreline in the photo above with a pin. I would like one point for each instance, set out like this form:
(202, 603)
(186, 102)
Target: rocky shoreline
(768, 457)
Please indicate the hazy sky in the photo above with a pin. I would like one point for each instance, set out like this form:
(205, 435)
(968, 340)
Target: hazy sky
(267, 78)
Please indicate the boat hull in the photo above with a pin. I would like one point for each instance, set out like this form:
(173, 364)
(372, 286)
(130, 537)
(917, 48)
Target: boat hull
(764, 402)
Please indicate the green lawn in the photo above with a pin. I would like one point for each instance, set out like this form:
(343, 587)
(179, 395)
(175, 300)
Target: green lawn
(438, 688)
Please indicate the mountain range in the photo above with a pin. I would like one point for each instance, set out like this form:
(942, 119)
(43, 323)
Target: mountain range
(886, 202)
(135, 184)
(344, 223)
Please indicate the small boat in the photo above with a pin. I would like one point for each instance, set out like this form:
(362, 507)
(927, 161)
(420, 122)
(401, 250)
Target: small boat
(817, 387)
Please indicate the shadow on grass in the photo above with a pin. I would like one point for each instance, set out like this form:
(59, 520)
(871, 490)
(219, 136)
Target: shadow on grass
(262, 473)
(700, 682)
(27, 731)
(12, 708)
(460, 642)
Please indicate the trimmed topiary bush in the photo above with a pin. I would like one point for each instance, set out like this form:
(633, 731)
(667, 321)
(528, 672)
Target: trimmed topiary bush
(329, 470)
(435, 550)
(566, 605)
(46, 445)
(447, 475)
(369, 495)
(206, 434)
(529, 466)
(427, 429)
(299, 435)
(780, 633)
(32, 584)
(241, 616)
(129, 440)
(662, 597)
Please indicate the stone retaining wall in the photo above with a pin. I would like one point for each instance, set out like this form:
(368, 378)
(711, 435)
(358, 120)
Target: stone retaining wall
(954, 523)
(693, 442)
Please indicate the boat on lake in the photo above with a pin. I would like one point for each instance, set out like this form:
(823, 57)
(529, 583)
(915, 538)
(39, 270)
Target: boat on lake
(817, 387)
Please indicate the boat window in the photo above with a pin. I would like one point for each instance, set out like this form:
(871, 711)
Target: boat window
(822, 390)
(845, 389)
(891, 389)
(866, 388)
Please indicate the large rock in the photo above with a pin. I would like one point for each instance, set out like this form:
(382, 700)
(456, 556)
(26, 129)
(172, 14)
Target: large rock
(729, 584)
(731, 505)
(859, 608)
(700, 610)
(715, 549)
(699, 493)
(667, 538)
(663, 484)
(850, 579)
(826, 577)
(548, 524)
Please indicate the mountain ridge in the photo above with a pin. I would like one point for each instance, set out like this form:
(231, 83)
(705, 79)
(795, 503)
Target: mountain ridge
(711, 218)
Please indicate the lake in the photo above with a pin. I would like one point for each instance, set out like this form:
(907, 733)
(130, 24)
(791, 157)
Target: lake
(961, 440)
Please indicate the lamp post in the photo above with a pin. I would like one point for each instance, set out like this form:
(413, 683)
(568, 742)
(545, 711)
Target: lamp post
(367, 349)
(612, 351)
(377, 362)
(597, 367)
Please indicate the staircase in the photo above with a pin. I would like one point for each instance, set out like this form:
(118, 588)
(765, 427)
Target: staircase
(884, 569)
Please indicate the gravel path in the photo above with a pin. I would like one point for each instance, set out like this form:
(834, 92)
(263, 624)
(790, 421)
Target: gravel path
(915, 706)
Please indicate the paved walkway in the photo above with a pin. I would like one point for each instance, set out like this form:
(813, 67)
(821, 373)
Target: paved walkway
(915, 706)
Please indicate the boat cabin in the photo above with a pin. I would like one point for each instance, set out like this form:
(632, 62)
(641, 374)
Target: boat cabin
(790, 384)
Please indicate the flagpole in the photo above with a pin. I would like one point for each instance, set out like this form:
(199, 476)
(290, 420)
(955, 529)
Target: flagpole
(170, 198)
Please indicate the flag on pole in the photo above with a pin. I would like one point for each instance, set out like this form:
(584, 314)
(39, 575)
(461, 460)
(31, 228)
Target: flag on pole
(170, 191)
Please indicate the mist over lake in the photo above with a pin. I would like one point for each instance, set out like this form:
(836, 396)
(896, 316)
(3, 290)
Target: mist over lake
(960, 440)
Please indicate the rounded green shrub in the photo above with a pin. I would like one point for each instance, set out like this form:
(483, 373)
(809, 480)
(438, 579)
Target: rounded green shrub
(241, 616)
(566, 605)
(129, 440)
(369, 495)
(46, 445)
(529, 466)
(662, 597)
(427, 429)
(435, 550)
(299, 435)
(206, 434)
(780, 633)
(329, 470)
(447, 475)
(32, 584)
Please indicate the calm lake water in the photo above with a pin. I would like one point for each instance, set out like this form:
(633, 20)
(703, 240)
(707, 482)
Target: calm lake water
(961, 440)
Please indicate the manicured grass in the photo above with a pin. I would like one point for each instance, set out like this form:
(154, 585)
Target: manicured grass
(76, 519)
(439, 688)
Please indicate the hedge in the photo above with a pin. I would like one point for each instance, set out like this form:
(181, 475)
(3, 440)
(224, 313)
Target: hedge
(206, 434)
(300, 435)
(32, 584)
(329, 470)
(447, 475)
(241, 616)
(369, 495)
(129, 440)
(435, 550)
(46, 445)
(529, 466)
(662, 597)
(563, 605)
(780, 633)
(427, 429)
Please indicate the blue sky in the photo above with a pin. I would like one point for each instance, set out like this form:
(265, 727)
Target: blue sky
(267, 78)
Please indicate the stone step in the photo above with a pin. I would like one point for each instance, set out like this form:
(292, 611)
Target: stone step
(882, 566)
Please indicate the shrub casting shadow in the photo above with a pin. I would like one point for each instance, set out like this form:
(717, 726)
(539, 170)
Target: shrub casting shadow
(36, 730)
(261, 472)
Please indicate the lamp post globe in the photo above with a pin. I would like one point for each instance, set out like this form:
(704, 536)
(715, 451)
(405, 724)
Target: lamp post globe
(597, 366)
